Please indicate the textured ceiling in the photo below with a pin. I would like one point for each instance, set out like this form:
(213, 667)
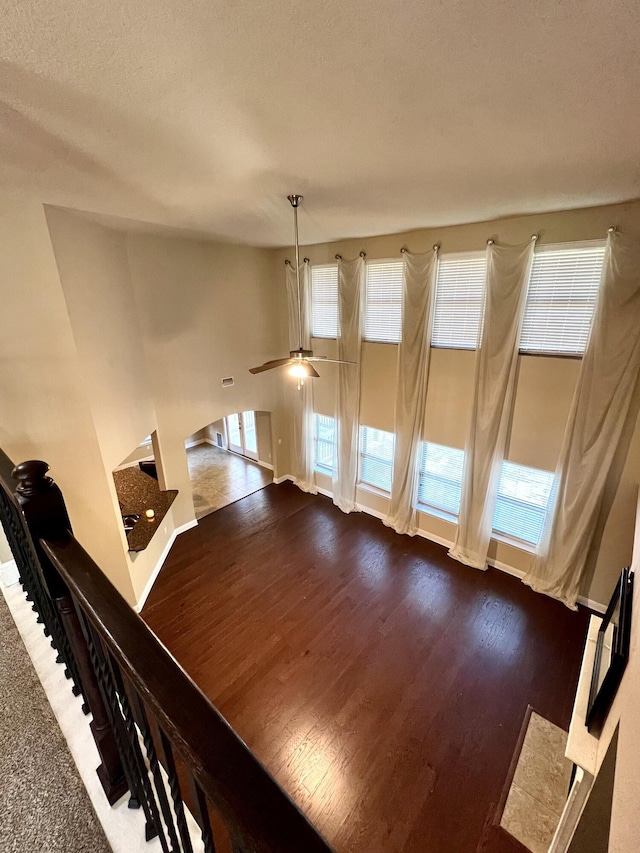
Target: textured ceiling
(203, 114)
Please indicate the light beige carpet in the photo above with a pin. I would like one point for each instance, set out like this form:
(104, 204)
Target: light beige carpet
(540, 786)
(43, 803)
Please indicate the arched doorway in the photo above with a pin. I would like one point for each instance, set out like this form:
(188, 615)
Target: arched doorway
(229, 459)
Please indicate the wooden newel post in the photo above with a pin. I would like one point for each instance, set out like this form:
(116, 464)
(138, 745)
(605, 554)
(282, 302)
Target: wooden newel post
(46, 516)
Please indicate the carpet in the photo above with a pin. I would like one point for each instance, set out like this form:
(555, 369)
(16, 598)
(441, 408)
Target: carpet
(540, 786)
(43, 803)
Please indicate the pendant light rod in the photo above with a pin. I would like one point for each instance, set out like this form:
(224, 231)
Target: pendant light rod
(295, 201)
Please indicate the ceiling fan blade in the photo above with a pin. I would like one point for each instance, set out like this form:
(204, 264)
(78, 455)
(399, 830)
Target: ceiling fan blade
(269, 365)
(312, 371)
(324, 359)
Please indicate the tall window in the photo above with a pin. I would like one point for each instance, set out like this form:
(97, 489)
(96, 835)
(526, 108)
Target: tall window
(523, 497)
(561, 299)
(324, 441)
(383, 316)
(440, 478)
(376, 457)
(458, 303)
(324, 301)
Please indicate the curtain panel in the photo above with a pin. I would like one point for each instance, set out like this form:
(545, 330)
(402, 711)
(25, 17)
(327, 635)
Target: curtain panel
(507, 276)
(411, 394)
(351, 283)
(599, 429)
(301, 397)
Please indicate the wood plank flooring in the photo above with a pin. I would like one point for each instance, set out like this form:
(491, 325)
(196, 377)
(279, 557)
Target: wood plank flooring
(383, 684)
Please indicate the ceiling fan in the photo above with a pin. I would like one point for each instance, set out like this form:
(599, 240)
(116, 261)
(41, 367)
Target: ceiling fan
(300, 359)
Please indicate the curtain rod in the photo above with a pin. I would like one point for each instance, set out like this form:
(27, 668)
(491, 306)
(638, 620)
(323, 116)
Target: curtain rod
(436, 247)
(361, 255)
(405, 251)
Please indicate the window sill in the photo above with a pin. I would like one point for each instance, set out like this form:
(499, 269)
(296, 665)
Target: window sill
(520, 544)
(318, 469)
(438, 513)
(374, 490)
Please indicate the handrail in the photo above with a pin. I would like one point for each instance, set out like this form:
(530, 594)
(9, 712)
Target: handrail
(230, 775)
(147, 711)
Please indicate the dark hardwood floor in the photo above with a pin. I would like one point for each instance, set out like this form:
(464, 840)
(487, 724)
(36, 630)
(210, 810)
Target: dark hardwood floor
(383, 684)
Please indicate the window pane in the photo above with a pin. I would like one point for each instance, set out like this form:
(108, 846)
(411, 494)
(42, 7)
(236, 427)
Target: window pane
(250, 436)
(324, 301)
(376, 457)
(440, 477)
(324, 443)
(561, 299)
(458, 305)
(384, 301)
(523, 497)
(233, 428)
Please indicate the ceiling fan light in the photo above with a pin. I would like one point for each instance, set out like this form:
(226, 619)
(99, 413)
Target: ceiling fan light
(299, 371)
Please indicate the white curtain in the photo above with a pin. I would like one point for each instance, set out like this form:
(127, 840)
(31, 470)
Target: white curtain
(602, 418)
(351, 282)
(411, 393)
(507, 274)
(302, 397)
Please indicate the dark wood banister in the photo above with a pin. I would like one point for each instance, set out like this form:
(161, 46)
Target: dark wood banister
(140, 684)
(233, 779)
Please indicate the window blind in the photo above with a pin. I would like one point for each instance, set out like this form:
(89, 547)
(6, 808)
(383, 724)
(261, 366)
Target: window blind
(561, 299)
(376, 457)
(324, 301)
(383, 316)
(521, 506)
(324, 440)
(458, 303)
(440, 478)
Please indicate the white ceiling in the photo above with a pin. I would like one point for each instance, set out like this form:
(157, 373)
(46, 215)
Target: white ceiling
(204, 114)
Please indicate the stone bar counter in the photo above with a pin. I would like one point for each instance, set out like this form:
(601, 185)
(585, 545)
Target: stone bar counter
(138, 492)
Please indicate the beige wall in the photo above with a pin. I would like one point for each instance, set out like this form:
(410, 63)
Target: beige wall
(108, 336)
(545, 385)
(207, 311)
(45, 410)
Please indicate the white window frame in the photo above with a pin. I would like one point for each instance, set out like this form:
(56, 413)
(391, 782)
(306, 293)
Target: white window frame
(506, 501)
(377, 460)
(552, 248)
(316, 330)
(432, 508)
(320, 467)
(371, 329)
(457, 256)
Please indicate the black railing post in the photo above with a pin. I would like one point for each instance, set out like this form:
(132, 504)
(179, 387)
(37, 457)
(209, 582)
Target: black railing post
(46, 517)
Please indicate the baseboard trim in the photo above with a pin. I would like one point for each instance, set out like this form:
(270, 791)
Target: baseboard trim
(165, 553)
(262, 464)
(278, 480)
(190, 444)
(596, 606)
(592, 604)
(9, 574)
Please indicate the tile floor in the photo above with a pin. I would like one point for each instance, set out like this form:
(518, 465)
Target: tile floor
(219, 478)
(540, 786)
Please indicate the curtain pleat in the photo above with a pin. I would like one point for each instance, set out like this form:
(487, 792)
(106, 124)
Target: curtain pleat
(507, 277)
(411, 393)
(301, 398)
(351, 278)
(601, 421)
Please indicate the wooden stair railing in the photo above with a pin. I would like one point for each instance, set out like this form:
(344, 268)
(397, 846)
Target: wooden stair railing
(173, 744)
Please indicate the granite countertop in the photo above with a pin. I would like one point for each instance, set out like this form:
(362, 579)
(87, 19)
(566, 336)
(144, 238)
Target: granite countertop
(138, 492)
